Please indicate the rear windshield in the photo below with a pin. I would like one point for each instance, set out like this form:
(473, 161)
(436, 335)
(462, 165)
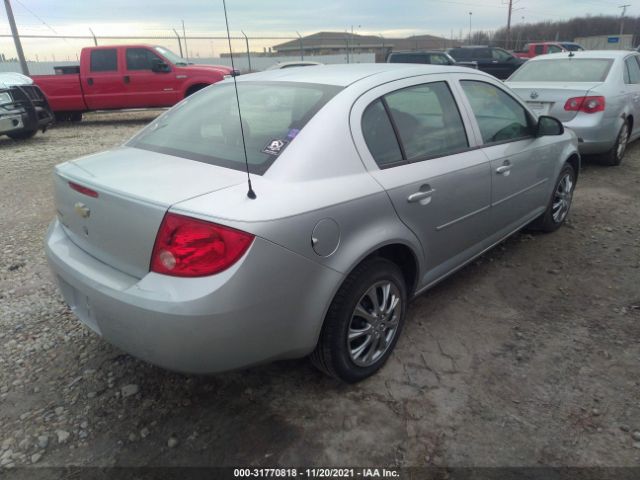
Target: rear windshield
(564, 70)
(206, 126)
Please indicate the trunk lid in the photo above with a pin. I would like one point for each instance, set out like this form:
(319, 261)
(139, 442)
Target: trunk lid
(135, 188)
(549, 98)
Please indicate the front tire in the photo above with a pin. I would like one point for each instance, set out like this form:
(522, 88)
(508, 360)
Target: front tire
(363, 323)
(615, 156)
(559, 204)
(24, 135)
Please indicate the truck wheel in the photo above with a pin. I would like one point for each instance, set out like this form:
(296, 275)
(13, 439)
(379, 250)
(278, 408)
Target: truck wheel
(24, 135)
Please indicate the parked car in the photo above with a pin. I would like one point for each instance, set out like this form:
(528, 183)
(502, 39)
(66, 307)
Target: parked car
(301, 63)
(572, 46)
(125, 76)
(493, 60)
(428, 57)
(372, 183)
(595, 93)
(23, 107)
(534, 49)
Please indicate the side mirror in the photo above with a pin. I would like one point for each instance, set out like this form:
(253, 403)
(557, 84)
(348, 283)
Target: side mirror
(159, 66)
(549, 126)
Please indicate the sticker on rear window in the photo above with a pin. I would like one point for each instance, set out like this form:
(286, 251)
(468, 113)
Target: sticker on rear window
(275, 147)
(293, 133)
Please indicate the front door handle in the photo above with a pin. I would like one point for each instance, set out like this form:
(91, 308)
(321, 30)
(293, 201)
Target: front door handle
(126, 79)
(504, 169)
(90, 81)
(421, 195)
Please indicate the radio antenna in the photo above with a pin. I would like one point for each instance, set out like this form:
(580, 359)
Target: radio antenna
(251, 194)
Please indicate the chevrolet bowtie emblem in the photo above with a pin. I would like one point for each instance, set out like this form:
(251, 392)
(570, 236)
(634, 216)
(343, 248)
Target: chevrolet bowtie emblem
(82, 210)
(534, 95)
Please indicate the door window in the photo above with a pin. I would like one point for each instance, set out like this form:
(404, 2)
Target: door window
(554, 49)
(427, 121)
(439, 59)
(500, 55)
(104, 60)
(633, 71)
(141, 59)
(499, 116)
(539, 49)
(379, 135)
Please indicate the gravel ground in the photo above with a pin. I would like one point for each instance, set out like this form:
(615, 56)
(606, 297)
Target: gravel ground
(527, 357)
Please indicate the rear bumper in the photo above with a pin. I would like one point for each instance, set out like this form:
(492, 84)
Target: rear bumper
(596, 133)
(270, 305)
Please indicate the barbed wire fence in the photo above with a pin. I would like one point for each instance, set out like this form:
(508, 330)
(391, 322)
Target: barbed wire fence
(251, 53)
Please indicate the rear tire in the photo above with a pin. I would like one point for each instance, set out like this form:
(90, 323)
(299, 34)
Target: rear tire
(559, 204)
(363, 323)
(24, 135)
(615, 156)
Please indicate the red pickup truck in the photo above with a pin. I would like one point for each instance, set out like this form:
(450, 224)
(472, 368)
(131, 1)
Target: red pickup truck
(125, 76)
(534, 49)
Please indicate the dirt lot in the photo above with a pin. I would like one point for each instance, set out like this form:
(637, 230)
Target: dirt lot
(529, 356)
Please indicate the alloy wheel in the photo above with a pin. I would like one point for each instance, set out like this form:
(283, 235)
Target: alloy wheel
(374, 323)
(562, 198)
(622, 141)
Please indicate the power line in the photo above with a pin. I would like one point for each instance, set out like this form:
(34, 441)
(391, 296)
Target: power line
(35, 15)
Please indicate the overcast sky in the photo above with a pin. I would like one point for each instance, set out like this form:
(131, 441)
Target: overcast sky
(284, 17)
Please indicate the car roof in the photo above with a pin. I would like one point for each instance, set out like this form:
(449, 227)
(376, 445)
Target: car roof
(345, 75)
(606, 54)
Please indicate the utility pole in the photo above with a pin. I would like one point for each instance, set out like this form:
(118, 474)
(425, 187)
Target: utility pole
(624, 10)
(470, 14)
(508, 39)
(16, 38)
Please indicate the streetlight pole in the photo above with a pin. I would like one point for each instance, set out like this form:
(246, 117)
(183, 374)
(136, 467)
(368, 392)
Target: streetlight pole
(624, 10)
(470, 14)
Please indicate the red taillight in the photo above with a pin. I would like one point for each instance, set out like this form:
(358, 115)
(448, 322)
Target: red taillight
(585, 104)
(188, 247)
(83, 190)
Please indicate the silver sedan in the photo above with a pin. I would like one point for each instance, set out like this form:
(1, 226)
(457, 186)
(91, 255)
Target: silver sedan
(372, 183)
(595, 93)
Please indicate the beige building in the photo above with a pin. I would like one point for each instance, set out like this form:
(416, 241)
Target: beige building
(332, 43)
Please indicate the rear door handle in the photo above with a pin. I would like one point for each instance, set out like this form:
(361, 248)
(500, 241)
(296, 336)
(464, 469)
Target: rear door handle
(126, 79)
(90, 81)
(421, 195)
